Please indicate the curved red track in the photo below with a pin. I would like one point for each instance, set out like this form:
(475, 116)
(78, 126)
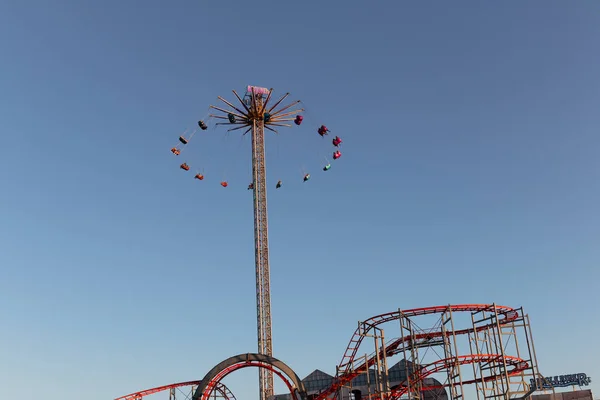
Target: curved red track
(217, 379)
(348, 371)
(356, 339)
(515, 362)
(225, 392)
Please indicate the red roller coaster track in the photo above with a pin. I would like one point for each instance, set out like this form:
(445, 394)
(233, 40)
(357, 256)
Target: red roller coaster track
(517, 364)
(372, 322)
(347, 370)
(222, 389)
(217, 379)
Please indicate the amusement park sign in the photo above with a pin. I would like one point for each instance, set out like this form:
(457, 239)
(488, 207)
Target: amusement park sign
(561, 381)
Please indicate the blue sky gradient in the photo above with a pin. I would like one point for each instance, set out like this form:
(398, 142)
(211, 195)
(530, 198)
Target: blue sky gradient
(470, 174)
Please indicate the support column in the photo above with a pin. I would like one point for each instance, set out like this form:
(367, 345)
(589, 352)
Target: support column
(261, 248)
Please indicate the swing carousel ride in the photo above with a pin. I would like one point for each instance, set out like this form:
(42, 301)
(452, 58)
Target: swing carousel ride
(255, 114)
(255, 111)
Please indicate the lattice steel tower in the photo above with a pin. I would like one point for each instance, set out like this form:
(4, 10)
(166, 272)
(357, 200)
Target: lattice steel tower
(254, 115)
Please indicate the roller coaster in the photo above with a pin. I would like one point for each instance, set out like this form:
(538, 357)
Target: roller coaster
(492, 357)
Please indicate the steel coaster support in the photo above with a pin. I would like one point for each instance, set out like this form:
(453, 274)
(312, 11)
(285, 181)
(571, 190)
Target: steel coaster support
(537, 377)
(510, 328)
(379, 357)
(493, 367)
(409, 350)
(500, 349)
(381, 371)
(451, 353)
(384, 368)
(369, 388)
(517, 329)
(480, 342)
(494, 372)
(416, 366)
(348, 387)
(473, 347)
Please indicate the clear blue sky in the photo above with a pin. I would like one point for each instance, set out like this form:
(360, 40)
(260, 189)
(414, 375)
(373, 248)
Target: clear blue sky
(470, 173)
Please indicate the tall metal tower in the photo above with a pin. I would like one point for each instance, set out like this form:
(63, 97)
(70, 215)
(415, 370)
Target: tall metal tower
(255, 115)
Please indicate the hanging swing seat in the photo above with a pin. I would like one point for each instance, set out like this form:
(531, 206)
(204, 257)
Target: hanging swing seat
(298, 119)
(231, 118)
(175, 151)
(202, 125)
(199, 177)
(183, 140)
(224, 184)
(184, 166)
(323, 130)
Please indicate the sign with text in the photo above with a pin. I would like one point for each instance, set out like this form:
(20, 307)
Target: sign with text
(549, 382)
